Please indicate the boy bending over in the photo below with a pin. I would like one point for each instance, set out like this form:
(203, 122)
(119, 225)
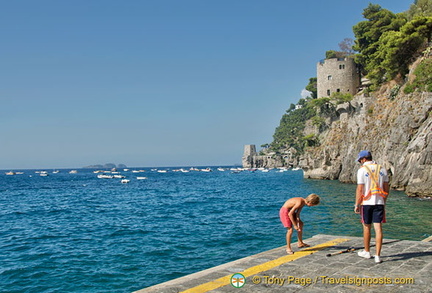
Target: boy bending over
(290, 217)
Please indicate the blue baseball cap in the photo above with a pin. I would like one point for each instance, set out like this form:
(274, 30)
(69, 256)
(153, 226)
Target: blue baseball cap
(363, 154)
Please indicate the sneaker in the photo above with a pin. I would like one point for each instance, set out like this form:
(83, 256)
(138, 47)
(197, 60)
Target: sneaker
(364, 253)
(377, 259)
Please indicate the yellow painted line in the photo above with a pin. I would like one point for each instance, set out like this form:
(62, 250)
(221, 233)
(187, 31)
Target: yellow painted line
(427, 239)
(263, 267)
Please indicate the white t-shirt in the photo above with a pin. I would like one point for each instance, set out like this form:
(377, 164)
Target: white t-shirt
(363, 178)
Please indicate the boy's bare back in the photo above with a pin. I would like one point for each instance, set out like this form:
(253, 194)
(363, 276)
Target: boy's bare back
(294, 203)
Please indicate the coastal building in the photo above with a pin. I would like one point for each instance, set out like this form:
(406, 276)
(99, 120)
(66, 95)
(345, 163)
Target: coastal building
(248, 155)
(337, 75)
(266, 158)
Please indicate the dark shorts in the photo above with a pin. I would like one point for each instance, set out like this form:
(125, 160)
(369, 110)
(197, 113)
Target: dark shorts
(373, 214)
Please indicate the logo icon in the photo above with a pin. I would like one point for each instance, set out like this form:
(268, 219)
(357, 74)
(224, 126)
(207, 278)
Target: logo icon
(238, 280)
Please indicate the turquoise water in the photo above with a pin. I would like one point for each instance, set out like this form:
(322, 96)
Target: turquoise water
(78, 233)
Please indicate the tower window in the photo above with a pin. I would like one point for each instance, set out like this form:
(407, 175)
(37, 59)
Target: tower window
(329, 77)
(328, 92)
(338, 90)
(342, 66)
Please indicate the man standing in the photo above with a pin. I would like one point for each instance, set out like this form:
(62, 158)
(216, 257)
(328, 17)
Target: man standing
(371, 195)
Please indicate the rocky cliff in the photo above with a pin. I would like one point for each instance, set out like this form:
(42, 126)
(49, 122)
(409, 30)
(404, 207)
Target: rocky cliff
(395, 127)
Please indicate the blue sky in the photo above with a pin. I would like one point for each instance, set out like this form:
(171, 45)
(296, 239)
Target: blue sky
(157, 83)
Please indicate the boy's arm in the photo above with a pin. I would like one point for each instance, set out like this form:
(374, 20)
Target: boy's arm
(294, 218)
(298, 214)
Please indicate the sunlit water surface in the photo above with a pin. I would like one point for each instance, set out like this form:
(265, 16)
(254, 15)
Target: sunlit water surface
(78, 233)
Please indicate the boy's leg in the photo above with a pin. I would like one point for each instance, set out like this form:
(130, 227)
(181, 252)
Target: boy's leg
(300, 233)
(288, 239)
(300, 236)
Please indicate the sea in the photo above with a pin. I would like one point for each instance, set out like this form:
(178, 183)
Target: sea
(75, 232)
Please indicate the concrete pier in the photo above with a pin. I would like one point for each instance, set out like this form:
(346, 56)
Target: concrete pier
(406, 267)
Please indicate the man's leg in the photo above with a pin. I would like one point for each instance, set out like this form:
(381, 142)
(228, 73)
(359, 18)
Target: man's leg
(366, 236)
(366, 241)
(366, 217)
(378, 237)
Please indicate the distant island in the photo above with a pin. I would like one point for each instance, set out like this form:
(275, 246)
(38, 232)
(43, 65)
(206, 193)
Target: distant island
(106, 166)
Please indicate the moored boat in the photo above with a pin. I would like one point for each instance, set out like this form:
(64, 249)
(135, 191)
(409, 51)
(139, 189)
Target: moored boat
(105, 176)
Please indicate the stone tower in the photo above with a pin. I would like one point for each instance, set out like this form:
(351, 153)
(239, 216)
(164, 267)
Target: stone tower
(337, 75)
(248, 154)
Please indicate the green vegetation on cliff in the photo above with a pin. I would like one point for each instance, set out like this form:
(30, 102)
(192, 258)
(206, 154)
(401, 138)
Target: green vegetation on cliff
(388, 42)
(289, 134)
(386, 45)
(423, 79)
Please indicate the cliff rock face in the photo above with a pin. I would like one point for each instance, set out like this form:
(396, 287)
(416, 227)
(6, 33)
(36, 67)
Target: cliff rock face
(395, 127)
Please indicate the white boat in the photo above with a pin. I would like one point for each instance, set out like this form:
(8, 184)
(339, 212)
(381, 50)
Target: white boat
(162, 171)
(141, 178)
(43, 173)
(10, 173)
(73, 171)
(104, 176)
(221, 169)
(125, 181)
(296, 168)
(119, 176)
